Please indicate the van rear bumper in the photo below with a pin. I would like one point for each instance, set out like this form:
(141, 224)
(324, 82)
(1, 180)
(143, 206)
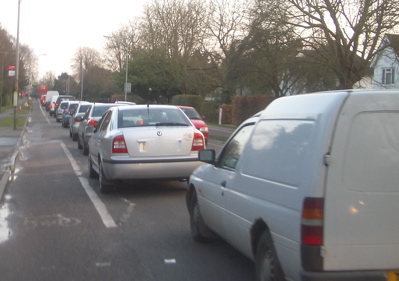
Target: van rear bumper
(343, 276)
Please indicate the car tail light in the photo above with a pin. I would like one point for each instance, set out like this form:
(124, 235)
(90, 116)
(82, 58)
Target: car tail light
(56, 105)
(77, 120)
(119, 145)
(312, 221)
(93, 123)
(198, 142)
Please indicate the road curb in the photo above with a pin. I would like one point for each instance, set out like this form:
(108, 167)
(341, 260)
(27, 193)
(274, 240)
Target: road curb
(5, 177)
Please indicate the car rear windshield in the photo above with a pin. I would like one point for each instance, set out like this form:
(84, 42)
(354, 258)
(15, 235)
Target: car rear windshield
(133, 117)
(98, 111)
(63, 105)
(84, 107)
(191, 113)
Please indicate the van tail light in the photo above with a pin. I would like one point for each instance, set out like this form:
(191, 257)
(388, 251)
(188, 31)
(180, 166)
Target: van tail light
(119, 145)
(93, 123)
(198, 142)
(312, 221)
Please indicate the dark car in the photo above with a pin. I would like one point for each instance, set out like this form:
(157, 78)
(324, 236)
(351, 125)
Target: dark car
(90, 121)
(66, 114)
(61, 98)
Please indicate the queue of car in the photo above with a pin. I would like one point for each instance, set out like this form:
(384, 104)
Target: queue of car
(307, 188)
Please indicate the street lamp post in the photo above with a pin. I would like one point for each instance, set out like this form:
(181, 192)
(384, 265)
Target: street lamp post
(16, 71)
(127, 66)
(81, 80)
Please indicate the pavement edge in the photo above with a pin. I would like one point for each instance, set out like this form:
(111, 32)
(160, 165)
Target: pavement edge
(6, 176)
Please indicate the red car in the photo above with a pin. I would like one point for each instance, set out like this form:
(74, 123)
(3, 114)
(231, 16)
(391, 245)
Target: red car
(196, 119)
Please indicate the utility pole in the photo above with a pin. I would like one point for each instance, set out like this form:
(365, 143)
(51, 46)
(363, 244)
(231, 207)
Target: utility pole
(17, 72)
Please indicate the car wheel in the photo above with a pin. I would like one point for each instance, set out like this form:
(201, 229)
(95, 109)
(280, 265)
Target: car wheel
(79, 144)
(85, 149)
(199, 231)
(267, 265)
(64, 125)
(92, 172)
(70, 134)
(74, 137)
(105, 185)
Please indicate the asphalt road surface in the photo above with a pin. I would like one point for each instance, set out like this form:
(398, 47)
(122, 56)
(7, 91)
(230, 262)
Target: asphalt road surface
(56, 225)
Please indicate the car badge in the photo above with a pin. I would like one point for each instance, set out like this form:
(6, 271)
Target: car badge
(159, 133)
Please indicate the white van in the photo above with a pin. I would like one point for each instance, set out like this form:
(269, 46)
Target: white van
(49, 96)
(52, 104)
(310, 189)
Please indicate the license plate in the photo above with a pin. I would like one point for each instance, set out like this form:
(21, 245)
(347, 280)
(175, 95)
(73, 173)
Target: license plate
(393, 276)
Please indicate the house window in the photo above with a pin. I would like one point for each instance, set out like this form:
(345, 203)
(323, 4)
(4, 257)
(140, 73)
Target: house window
(388, 76)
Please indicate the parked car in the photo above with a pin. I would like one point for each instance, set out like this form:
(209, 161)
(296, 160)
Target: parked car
(60, 110)
(197, 120)
(76, 118)
(58, 113)
(66, 114)
(309, 190)
(143, 142)
(89, 123)
(43, 100)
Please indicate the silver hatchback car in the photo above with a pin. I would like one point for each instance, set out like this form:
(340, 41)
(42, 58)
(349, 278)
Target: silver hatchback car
(144, 142)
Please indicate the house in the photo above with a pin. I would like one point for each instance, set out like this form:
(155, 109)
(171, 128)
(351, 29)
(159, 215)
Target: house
(386, 63)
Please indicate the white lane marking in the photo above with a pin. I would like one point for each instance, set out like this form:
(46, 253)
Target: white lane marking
(44, 114)
(98, 204)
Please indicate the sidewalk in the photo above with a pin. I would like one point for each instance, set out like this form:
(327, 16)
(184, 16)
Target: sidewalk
(10, 141)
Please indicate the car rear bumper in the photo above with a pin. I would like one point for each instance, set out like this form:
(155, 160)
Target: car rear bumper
(161, 169)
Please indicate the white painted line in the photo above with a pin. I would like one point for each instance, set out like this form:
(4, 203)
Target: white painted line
(44, 114)
(98, 204)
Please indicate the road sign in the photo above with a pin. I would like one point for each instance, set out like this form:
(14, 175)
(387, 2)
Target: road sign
(128, 87)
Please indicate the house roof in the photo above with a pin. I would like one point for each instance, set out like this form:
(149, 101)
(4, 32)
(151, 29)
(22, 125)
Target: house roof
(394, 42)
(389, 41)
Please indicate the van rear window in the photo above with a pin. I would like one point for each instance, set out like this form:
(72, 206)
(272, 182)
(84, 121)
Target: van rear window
(372, 152)
(281, 148)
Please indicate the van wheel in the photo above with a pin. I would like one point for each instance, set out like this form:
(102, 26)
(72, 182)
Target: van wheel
(267, 265)
(92, 172)
(105, 185)
(199, 231)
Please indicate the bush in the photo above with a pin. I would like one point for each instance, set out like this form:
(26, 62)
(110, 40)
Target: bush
(246, 106)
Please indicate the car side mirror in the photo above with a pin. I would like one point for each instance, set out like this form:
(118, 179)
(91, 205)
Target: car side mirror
(207, 156)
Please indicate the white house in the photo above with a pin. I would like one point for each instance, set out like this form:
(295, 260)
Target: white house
(386, 63)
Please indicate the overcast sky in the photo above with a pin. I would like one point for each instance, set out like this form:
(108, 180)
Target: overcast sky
(58, 28)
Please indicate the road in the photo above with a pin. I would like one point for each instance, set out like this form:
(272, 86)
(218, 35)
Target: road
(56, 225)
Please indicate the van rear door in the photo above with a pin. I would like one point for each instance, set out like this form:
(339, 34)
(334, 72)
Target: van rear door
(361, 213)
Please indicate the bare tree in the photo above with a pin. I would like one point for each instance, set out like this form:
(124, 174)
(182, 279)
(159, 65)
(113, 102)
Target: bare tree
(84, 60)
(346, 32)
(121, 45)
(175, 29)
